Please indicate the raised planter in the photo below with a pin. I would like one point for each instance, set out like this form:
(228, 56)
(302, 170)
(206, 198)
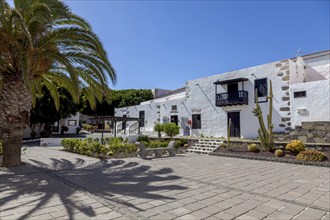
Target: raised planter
(273, 159)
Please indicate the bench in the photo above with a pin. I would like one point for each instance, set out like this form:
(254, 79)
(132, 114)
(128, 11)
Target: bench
(143, 152)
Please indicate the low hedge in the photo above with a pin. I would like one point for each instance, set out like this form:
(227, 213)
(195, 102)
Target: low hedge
(90, 146)
(143, 138)
(155, 144)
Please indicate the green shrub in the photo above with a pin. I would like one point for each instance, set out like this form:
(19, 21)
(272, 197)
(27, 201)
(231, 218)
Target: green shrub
(125, 148)
(116, 140)
(84, 148)
(96, 147)
(171, 129)
(279, 153)
(143, 138)
(107, 140)
(311, 155)
(295, 146)
(253, 148)
(94, 128)
(90, 146)
(96, 140)
(71, 144)
(186, 145)
(181, 142)
(89, 140)
(156, 144)
(87, 127)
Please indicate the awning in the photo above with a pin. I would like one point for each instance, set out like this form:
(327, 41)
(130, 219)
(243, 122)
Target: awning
(228, 81)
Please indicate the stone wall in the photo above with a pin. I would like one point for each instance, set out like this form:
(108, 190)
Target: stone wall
(308, 132)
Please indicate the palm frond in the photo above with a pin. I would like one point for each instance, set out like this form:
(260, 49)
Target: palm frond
(15, 15)
(49, 45)
(53, 89)
(38, 12)
(74, 20)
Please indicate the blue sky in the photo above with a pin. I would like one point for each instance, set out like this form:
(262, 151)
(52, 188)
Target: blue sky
(162, 44)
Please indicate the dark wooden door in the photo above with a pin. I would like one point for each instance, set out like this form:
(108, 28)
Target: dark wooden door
(141, 117)
(233, 91)
(235, 127)
(174, 119)
(123, 125)
(232, 87)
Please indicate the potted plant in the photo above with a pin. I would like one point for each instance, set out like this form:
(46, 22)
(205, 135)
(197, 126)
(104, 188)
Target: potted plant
(64, 129)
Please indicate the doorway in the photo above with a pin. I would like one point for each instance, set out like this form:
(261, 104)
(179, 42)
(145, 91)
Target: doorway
(232, 91)
(174, 119)
(235, 128)
(232, 87)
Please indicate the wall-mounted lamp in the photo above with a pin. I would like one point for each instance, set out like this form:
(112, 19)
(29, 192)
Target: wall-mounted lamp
(252, 74)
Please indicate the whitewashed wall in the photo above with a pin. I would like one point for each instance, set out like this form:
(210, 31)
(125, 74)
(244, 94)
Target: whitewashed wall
(315, 106)
(154, 109)
(214, 119)
(318, 67)
(199, 98)
(72, 128)
(310, 68)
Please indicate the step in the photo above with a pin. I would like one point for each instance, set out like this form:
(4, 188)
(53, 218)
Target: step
(205, 146)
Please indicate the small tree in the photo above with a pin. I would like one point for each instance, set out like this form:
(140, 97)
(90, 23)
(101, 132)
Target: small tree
(159, 128)
(171, 129)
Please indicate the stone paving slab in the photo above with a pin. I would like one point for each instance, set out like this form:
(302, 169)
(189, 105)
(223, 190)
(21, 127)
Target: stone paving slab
(64, 185)
(36, 195)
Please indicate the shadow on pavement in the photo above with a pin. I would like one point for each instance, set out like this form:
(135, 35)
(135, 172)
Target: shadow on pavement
(112, 180)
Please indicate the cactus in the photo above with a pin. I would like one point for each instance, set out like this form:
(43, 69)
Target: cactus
(228, 134)
(265, 134)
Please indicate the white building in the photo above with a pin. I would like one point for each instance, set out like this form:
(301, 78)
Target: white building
(301, 90)
(72, 123)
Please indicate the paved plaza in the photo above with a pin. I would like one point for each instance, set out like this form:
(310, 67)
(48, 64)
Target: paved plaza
(60, 185)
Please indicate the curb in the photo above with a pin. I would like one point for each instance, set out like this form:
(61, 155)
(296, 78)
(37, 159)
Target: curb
(271, 159)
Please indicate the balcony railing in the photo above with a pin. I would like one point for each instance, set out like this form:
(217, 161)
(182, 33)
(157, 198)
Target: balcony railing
(232, 98)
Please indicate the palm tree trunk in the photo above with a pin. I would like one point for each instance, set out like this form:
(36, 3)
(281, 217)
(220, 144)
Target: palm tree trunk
(15, 106)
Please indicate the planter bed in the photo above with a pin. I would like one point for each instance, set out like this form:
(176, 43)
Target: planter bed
(268, 156)
(102, 156)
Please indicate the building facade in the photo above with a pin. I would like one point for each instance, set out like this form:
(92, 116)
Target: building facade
(204, 107)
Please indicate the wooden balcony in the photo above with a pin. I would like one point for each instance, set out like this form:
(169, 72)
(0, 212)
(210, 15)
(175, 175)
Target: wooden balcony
(232, 98)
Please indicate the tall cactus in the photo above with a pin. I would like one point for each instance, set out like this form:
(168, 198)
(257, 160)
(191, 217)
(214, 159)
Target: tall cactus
(265, 135)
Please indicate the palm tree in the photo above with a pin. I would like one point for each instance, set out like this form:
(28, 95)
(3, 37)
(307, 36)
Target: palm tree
(43, 43)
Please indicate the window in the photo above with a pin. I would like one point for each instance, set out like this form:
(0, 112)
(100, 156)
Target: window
(299, 94)
(141, 117)
(261, 86)
(165, 120)
(72, 122)
(196, 121)
(174, 108)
